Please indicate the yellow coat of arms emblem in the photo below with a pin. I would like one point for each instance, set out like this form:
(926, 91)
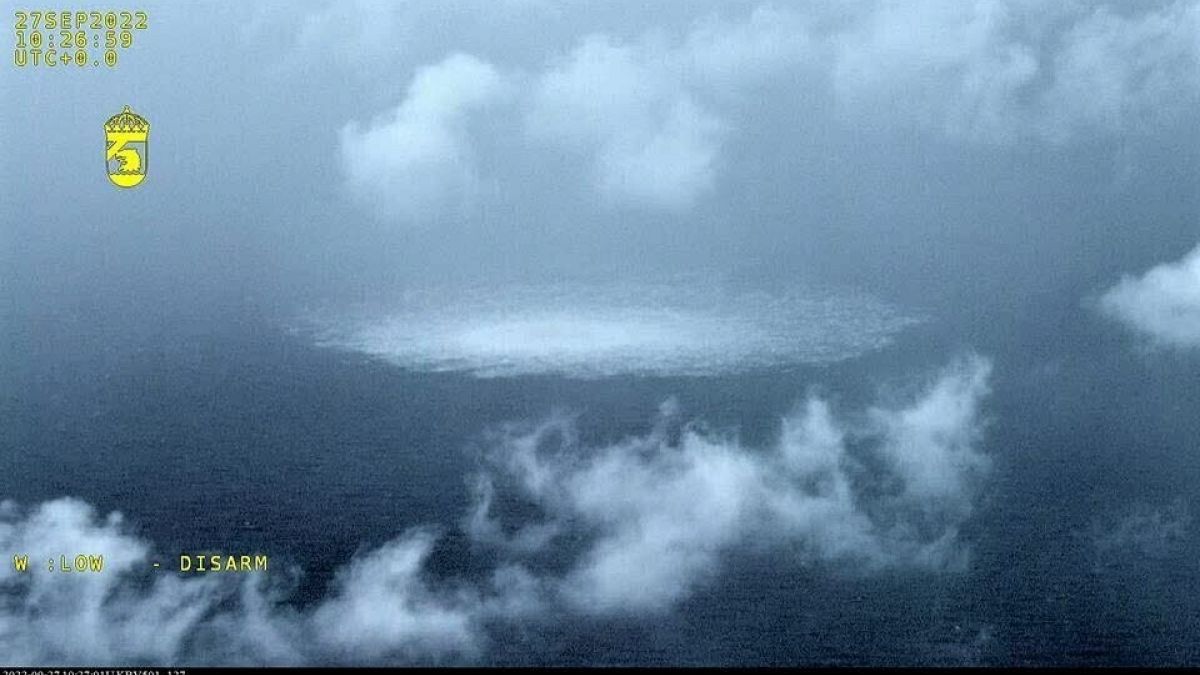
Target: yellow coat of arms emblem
(127, 136)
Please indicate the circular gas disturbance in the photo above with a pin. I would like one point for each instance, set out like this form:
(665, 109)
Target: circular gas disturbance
(598, 331)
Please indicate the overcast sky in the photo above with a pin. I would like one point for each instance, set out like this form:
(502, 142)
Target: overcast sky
(921, 150)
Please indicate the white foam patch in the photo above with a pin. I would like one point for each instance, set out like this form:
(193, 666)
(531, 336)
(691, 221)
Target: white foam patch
(600, 331)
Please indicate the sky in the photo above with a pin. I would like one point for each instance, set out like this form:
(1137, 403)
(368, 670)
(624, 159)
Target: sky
(920, 150)
(523, 188)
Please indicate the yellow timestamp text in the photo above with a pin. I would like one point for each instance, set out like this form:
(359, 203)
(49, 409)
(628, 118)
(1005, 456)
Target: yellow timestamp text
(55, 38)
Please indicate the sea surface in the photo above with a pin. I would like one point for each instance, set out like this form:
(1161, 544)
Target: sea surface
(228, 431)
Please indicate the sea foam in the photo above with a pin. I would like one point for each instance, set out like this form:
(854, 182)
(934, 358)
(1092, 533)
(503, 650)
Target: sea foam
(589, 331)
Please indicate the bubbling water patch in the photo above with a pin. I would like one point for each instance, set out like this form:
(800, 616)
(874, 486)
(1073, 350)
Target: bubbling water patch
(592, 331)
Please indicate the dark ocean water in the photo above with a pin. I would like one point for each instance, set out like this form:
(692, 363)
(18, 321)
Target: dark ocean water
(236, 435)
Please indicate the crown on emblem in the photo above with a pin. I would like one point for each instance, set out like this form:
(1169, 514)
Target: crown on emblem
(127, 120)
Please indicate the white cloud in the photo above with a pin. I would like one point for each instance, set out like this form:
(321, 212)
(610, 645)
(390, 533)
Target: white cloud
(416, 162)
(380, 609)
(650, 116)
(640, 524)
(662, 509)
(1163, 304)
(931, 444)
(355, 32)
(948, 64)
(719, 55)
(996, 71)
(636, 111)
(652, 142)
(645, 112)
(1115, 73)
(358, 38)
(79, 617)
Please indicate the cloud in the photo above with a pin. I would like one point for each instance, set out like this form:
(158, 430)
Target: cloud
(899, 61)
(644, 111)
(637, 526)
(637, 111)
(415, 163)
(651, 141)
(650, 116)
(1163, 304)
(660, 511)
(354, 33)
(1017, 71)
(88, 617)
(930, 444)
(719, 55)
(1116, 73)
(381, 608)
